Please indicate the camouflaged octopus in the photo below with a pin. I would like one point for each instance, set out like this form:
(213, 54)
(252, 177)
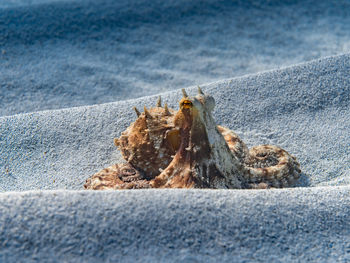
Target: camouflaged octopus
(186, 149)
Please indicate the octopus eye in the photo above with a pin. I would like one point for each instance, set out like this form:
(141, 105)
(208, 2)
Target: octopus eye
(186, 104)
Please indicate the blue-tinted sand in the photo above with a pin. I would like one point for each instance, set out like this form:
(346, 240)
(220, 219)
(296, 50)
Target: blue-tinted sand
(70, 73)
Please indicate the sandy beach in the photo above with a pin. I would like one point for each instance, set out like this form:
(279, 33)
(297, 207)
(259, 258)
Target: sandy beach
(71, 72)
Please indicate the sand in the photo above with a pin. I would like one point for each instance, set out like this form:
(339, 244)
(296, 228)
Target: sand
(274, 82)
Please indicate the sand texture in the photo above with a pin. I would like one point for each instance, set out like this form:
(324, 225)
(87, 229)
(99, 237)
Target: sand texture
(71, 72)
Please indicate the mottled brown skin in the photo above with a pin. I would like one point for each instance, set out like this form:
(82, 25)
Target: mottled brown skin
(272, 166)
(196, 165)
(147, 144)
(118, 176)
(186, 149)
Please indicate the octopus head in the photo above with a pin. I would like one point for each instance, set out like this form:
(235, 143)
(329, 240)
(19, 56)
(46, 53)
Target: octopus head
(195, 110)
(197, 161)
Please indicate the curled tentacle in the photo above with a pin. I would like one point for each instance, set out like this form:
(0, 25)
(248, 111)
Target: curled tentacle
(118, 176)
(272, 166)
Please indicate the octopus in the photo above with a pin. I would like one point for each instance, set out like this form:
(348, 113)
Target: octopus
(187, 149)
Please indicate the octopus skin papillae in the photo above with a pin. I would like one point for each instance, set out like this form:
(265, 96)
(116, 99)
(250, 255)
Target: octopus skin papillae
(187, 149)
